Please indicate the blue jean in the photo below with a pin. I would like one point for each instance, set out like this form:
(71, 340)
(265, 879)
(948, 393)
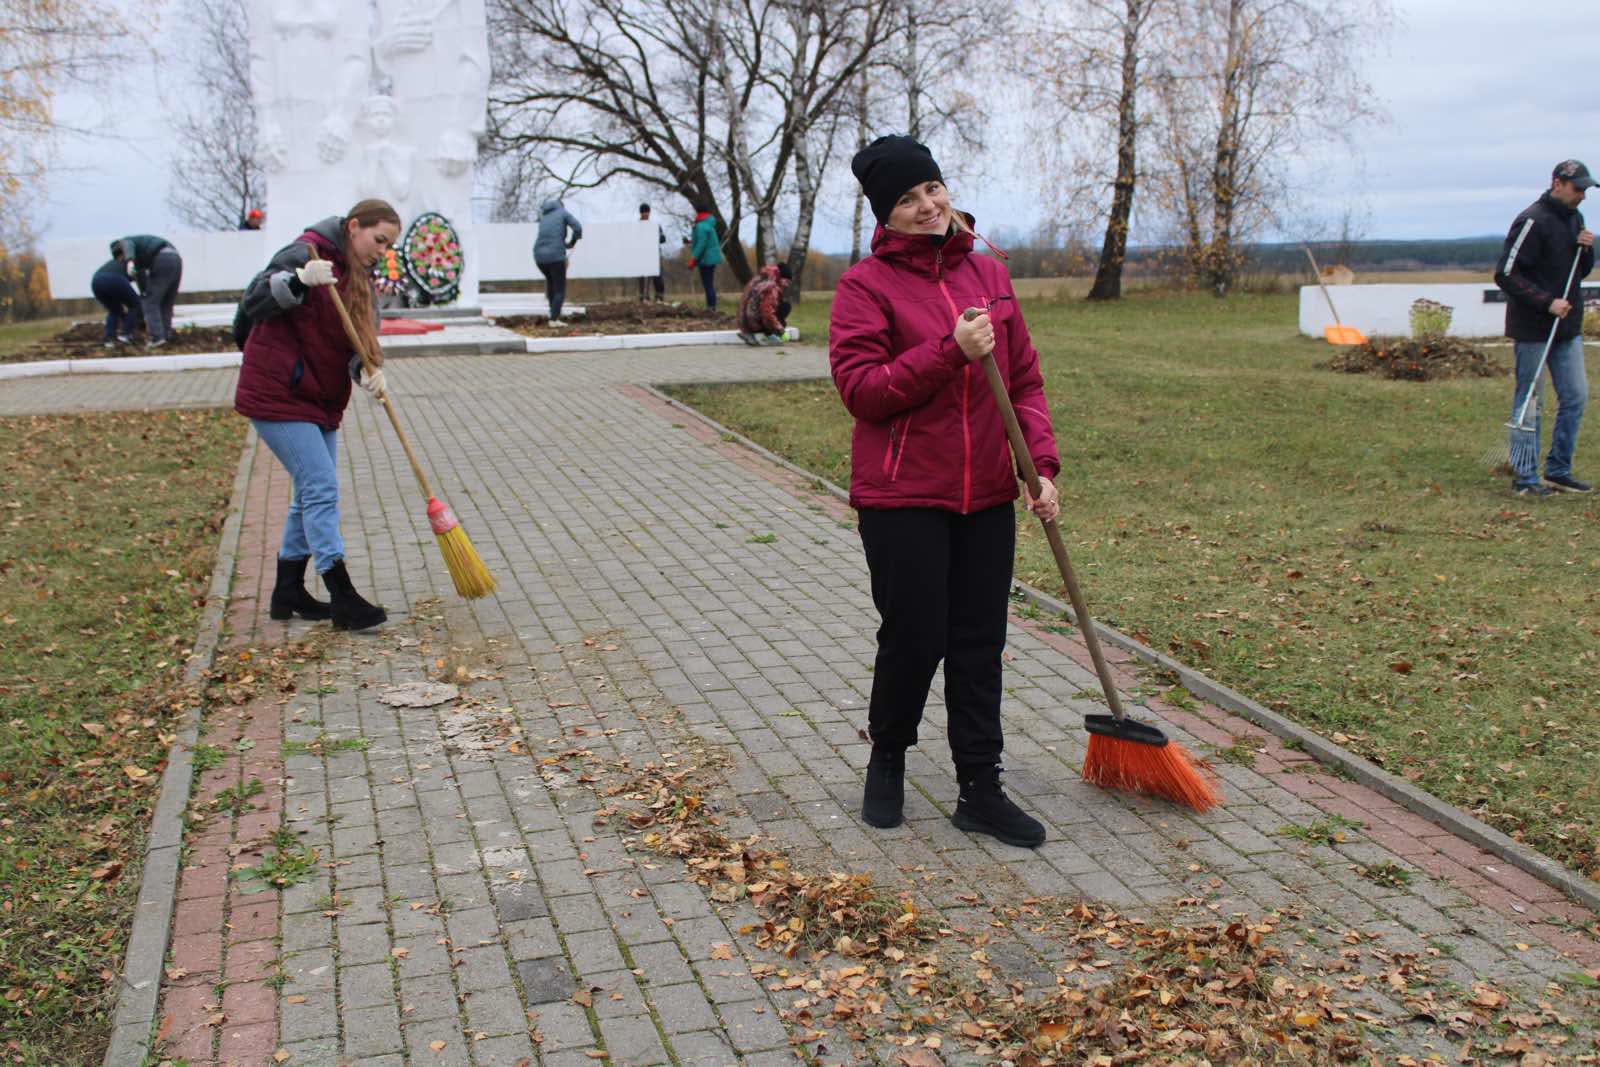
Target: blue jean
(1572, 395)
(708, 281)
(121, 301)
(310, 454)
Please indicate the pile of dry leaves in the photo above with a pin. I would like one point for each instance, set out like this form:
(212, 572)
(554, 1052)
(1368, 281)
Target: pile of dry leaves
(1416, 359)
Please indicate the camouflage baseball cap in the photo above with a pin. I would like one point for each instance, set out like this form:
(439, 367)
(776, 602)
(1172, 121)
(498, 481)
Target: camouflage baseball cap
(1571, 170)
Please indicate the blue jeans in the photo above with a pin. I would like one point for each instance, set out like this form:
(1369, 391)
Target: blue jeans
(1572, 394)
(121, 301)
(309, 453)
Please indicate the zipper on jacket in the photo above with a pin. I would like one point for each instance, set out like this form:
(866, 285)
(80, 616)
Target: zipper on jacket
(966, 388)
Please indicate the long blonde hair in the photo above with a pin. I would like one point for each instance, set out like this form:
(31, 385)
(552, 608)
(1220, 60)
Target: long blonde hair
(359, 292)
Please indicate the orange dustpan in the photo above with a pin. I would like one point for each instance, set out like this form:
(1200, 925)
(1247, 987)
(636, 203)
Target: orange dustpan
(1338, 333)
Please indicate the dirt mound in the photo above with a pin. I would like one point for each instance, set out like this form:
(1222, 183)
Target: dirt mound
(622, 318)
(1417, 359)
(82, 340)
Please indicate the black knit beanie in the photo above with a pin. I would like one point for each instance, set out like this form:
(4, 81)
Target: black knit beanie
(890, 166)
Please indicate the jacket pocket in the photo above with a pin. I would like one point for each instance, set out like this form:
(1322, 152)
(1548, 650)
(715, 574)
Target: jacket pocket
(297, 374)
(899, 438)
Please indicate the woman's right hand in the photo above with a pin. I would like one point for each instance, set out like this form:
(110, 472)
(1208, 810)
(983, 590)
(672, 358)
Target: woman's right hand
(975, 336)
(315, 272)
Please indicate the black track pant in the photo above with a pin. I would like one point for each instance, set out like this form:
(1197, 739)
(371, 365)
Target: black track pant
(941, 582)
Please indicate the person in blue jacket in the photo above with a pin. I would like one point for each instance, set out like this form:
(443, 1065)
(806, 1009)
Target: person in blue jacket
(558, 232)
(117, 295)
(705, 252)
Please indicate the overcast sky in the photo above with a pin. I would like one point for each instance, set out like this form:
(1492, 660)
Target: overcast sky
(1483, 97)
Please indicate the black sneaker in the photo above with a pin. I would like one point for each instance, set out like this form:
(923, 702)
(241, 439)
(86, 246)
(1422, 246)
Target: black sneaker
(884, 798)
(1566, 483)
(984, 808)
(1533, 490)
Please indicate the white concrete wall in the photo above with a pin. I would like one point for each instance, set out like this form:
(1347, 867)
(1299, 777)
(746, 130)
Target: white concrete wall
(220, 261)
(607, 250)
(1386, 309)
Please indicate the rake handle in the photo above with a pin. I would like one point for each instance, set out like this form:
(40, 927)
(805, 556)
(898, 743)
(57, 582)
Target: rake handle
(1316, 270)
(359, 344)
(1019, 448)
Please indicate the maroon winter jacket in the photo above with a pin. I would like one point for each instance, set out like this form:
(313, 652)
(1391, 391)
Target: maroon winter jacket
(297, 358)
(927, 433)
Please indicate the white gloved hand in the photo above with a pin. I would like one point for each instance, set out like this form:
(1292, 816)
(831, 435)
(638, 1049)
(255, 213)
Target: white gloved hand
(315, 272)
(372, 382)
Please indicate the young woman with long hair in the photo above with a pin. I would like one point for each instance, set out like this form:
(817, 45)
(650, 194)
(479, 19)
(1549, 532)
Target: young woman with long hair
(295, 383)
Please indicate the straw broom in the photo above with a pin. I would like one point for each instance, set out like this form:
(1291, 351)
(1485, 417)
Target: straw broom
(472, 579)
(1123, 754)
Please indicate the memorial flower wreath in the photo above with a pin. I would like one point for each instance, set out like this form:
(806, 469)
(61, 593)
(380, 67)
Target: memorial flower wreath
(431, 252)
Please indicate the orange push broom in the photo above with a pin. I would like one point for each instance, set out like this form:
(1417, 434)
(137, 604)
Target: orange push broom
(472, 579)
(1123, 754)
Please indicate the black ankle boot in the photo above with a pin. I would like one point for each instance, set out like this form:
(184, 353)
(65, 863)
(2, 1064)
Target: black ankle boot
(348, 610)
(289, 596)
(984, 808)
(884, 799)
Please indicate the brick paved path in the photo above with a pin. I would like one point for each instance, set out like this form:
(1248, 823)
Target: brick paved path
(465, 888)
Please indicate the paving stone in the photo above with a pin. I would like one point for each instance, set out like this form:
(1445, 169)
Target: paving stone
(495, 1011)
(372, 1031)
(546, 980)
(632, 1039)
(682, 1008)
(563, 1026)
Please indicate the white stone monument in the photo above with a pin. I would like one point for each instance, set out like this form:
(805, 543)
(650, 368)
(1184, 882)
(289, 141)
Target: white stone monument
(347, 112)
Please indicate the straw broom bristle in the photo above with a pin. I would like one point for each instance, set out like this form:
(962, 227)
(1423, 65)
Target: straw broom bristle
(1168, 771)
(472, 579)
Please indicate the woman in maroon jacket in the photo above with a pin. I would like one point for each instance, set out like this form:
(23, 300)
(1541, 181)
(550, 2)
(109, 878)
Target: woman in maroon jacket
(932, 477)
(294, 385)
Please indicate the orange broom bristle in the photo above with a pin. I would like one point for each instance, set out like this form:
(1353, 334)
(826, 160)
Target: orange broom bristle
(1168, 771)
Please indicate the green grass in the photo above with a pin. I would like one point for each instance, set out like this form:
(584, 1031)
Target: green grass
(15, 336)
(108, 526)
(1328, 544)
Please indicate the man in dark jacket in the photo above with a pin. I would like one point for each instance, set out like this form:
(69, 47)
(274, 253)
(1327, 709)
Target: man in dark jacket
(157, 267)
(1547, 254)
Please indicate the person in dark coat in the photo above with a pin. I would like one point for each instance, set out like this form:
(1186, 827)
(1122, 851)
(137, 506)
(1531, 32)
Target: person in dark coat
(932, 478)
(294, 384)
(559, 231)
(155, 265)
(117, 295)
(1547, 244)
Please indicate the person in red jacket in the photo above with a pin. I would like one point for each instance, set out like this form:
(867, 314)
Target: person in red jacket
(294, 385)
(932, 477)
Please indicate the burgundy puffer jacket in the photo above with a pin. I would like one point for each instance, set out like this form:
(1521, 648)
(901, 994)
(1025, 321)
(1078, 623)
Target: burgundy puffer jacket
(927, 433)
(297, 358)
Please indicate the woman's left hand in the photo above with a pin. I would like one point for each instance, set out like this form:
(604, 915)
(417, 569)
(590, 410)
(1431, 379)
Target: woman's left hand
(1048, 506)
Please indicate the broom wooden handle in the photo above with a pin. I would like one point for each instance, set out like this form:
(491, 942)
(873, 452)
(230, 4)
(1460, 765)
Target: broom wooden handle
(367, 361)
(1019, 448)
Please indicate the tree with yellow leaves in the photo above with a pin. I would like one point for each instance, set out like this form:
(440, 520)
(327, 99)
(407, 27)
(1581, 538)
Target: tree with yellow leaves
(45, 44)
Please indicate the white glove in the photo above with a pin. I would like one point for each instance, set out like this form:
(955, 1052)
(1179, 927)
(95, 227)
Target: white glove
(372, 382)
(315, 272)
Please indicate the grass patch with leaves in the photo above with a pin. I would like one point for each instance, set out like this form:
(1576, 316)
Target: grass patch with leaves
(108, 528)
(1328, 831)
(1327, 544)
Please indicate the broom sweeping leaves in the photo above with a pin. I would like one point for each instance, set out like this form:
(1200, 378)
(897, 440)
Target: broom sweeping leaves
(467, 572)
